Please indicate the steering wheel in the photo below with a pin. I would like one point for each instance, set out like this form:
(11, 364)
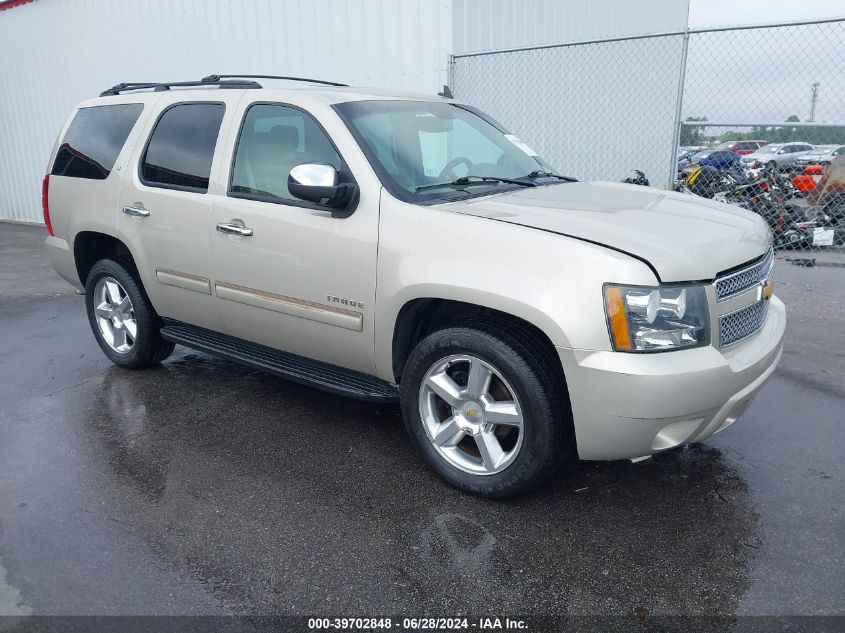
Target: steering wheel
(449, 170)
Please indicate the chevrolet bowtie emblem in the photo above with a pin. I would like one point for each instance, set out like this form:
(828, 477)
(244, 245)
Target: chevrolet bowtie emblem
(472, 412)
(768, 289)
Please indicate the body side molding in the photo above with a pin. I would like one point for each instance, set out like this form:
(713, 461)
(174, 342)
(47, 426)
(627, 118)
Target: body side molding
(186, 281)
(330, 315)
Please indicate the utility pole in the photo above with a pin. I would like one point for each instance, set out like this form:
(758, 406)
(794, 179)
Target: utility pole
(813, 98)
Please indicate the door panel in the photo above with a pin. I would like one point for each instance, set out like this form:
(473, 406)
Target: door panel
(165, 207)
(273, 287)
(303, 281)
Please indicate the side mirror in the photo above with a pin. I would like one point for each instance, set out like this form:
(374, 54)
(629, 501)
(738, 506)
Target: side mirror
(318, 183)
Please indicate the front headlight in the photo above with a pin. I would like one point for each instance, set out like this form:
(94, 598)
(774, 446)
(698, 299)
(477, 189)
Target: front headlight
(655, 319)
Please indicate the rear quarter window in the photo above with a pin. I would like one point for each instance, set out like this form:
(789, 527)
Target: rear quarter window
(94, 139)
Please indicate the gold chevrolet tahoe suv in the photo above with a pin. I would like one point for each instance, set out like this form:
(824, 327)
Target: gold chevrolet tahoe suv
(392, 246)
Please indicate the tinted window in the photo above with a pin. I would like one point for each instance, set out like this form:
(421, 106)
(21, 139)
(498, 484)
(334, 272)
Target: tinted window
(181, 147)
(274, 139)
(94, 139)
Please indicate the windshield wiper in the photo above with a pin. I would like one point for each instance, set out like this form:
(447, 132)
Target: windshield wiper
(468, 181)
(537, 173)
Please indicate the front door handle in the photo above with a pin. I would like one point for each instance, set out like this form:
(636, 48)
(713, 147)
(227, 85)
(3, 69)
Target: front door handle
(136, 210)
(234, 229)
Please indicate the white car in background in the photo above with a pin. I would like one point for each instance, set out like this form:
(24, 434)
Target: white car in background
(778, 155)
(822, 155)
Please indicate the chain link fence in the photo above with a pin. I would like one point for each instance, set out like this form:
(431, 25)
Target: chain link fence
(752, 116)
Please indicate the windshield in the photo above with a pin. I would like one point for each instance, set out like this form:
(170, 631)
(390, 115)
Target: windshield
(703, 153)
(428, 151)
(768, 149)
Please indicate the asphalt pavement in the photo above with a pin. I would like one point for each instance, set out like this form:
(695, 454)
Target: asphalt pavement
(201, 487)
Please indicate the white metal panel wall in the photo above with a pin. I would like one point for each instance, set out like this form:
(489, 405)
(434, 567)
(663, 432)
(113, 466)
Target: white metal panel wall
(482, 25)
(55, 54)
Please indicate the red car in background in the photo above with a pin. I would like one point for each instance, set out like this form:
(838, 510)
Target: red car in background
(742, 147)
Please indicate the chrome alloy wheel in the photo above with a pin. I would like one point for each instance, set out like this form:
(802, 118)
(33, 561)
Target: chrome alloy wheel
(115, 315)
(471, 414)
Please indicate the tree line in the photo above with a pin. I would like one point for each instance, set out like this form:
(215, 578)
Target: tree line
(694, 135)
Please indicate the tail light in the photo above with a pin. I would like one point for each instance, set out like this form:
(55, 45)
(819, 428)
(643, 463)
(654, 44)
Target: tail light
(45, 203)
(764, 185)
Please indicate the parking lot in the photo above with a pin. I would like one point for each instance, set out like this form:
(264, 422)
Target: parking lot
(201, 487)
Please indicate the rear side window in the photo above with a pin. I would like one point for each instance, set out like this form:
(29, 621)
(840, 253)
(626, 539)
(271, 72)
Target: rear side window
(94, 139)
(181, 147)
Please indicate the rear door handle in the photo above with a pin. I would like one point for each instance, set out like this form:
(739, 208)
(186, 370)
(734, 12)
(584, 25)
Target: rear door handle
(136, 210)
(234, 229)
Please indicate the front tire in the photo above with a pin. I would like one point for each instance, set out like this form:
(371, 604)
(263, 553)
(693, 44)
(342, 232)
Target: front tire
(121, 316)
(487, 408)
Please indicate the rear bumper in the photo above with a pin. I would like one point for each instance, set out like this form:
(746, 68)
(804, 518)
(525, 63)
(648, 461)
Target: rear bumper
(61, 256)
(632, 405)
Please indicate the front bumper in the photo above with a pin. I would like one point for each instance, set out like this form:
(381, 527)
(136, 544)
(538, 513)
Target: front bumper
(631, 405)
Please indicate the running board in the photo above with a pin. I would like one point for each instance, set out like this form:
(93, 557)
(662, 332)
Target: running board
(343, 382)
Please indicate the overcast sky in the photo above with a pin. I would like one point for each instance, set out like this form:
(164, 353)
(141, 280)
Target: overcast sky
(765, 75)
(704, 13)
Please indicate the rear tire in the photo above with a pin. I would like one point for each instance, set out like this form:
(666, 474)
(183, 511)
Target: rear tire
(123, 320)
(467, 437)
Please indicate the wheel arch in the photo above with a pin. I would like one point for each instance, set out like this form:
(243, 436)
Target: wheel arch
(419, 316)
(92, 246)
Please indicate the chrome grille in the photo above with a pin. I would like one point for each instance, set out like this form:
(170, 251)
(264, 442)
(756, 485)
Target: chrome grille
(737, 326)
(742, 280)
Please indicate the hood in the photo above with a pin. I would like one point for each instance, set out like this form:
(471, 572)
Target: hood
(683, 238)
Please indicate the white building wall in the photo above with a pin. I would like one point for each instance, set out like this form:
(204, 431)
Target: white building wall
(57, 53)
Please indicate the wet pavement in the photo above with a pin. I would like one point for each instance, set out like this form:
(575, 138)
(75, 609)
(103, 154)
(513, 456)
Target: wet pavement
(203, 487)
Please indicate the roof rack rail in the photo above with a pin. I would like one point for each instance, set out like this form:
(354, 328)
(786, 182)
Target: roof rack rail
(212, 78)
(160, 86)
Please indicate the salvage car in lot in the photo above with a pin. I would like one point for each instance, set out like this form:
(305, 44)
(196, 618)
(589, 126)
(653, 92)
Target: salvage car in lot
(718, 158)
(821, 155)
(402, 247)
(685, 153)
(777, 155)
(741, 147)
